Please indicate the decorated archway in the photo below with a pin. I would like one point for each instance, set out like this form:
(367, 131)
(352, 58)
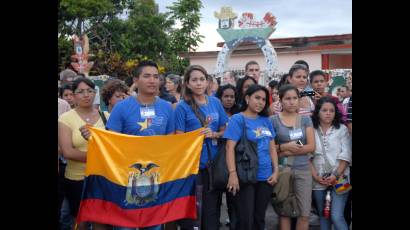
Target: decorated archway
(250, 30)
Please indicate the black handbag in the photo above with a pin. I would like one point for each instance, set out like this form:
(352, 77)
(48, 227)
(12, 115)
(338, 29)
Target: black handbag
(220, 172)
(246, 157)
(246, 162)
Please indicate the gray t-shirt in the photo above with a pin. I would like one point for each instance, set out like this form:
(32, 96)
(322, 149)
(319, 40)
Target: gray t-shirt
(283, 135)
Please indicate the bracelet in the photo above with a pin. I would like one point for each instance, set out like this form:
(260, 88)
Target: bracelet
(336, 174)
(232, 171)
(280, 150)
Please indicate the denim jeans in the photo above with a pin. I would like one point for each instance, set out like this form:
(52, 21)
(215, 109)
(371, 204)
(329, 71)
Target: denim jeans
(336, 210)
(158, 227)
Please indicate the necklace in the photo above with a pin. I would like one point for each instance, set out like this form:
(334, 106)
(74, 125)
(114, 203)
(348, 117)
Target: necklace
(86, 117)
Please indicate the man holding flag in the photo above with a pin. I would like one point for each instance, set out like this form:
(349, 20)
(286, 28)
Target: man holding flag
(144, 115)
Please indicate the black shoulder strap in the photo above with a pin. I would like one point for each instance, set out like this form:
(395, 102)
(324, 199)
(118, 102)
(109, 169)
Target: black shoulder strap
(244, 126)
(208, 150)
(199, 116)
(102, 115)
(202, 121)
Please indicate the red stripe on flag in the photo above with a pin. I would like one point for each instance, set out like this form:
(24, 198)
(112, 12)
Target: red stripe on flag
(100, 211)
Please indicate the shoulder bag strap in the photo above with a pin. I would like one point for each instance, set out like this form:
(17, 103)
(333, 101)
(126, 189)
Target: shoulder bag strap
(328, 167)
(244, 127)
(202, 121)
(102, 115)
(297, 126)
(208, 150)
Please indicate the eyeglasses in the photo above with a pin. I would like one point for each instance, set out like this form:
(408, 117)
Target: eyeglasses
(83, 91)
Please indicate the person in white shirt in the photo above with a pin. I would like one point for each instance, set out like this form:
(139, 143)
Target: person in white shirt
(330, 161)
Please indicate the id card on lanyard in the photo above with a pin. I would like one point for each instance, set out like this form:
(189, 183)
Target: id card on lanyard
(295, 134)
(147, 112)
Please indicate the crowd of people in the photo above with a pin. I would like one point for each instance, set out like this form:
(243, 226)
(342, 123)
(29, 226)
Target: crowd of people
(293, 122)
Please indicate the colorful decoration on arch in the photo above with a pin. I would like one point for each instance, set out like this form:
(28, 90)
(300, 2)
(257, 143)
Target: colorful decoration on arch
(80, 58)
(247, 21)
(250, 30)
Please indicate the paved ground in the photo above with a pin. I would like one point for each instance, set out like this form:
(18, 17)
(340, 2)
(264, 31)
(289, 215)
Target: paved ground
(271, 218)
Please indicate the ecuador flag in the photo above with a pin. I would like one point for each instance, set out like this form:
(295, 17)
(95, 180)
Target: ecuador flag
(135, 181)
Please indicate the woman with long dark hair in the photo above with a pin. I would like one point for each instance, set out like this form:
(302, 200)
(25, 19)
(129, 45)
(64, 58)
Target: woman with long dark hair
(330, 161)
(227, 95)
(251, 200)
(194, 111)
(241, 87)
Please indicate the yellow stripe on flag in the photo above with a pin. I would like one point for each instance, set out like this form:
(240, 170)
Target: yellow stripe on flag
(112, 154)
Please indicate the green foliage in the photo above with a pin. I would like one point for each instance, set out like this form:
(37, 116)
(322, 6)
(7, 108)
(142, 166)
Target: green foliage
(117, 40)
(187, 12)
(74, 13)
(65, 48)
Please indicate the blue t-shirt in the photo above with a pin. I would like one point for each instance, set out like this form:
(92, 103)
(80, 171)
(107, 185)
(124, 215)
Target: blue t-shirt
(214, 115)
(130, 117)
(259, 130)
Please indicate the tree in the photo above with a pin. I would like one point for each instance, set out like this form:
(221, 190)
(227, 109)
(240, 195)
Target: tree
(84, 16)
(187, 12)
(147, 30)
(74, 15)
(118, 44)
(186, 38)
(65, 49)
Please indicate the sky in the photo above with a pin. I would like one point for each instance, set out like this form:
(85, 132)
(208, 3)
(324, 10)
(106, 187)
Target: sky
(296, 18)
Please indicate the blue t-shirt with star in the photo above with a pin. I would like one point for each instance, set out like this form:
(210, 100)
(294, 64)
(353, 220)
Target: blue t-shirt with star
(259, 130)
(214, 115)
(130, 117)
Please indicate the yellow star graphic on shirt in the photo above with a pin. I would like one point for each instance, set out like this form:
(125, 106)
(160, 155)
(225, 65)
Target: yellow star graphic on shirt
(143, 124)
(258, 132)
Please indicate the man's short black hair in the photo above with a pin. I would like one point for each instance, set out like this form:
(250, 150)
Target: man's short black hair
(250, 63)
(138, 70)
(315, 73)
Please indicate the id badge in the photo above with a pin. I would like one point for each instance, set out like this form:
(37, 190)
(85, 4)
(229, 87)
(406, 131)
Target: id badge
(295, 134)
(266, 133)
(147, 112)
